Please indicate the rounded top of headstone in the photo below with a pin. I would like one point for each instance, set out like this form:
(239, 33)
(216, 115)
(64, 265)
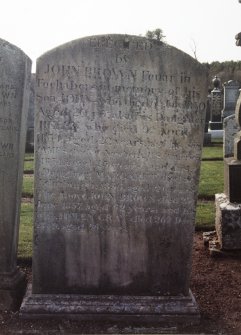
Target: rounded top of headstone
(232, 83)
(216, 82)
(121, 42)
(12, 49)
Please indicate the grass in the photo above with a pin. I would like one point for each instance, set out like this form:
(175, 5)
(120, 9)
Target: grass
(29, 156)
(28, 166)
(212, 153)
(26, 231)
(27, 190)
(29, 163)
(211, 179)
(205, 215)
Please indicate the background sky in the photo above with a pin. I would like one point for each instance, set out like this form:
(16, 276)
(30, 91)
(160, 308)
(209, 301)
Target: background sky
(207, 26)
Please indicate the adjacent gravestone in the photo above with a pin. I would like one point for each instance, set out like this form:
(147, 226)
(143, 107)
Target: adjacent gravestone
(231, 93)
(216, 105)
(30, 123)
(15, 69)
(230, 127)
(232, 177)
(228, 204)
(119, 132)
(207, 136)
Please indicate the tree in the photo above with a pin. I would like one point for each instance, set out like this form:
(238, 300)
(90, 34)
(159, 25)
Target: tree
(156, 34)
(194, 48)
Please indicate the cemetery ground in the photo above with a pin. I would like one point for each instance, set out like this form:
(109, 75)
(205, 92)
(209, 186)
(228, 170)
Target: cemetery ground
(215, 281)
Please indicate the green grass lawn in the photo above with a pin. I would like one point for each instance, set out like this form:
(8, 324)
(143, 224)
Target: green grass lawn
(27, 190)
(26, 230)
(29, 163)
(211, 153)
(211, 179)
(28, 156)
(28, 166)
(205, 215)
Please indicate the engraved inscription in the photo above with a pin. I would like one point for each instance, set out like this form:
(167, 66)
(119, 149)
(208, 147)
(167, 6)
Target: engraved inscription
(6, 149)
(131, 120)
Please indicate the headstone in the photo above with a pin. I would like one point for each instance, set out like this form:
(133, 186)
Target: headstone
(232, 166)
(228, 204)
(30, 123)
(15, 69)
(231, 93)
(230, 128)
(216, 105)
(119, 129)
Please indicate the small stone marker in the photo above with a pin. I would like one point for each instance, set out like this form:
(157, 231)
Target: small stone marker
(119, 129)
(15, 69)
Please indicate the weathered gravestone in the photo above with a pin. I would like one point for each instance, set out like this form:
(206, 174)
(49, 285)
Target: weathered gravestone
(228, 204)
(119, 129)
(231, 93)
(230, 127)
(15, 68)
(30, 123)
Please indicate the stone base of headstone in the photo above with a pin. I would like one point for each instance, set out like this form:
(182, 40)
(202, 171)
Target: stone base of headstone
(207, 140)
(12, 290)
(215, 125)
(141, 309)
(228, 223)
(232, 179)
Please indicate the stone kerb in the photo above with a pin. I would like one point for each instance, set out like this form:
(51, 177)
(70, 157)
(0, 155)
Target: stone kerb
(15, 70)
(119, 132)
